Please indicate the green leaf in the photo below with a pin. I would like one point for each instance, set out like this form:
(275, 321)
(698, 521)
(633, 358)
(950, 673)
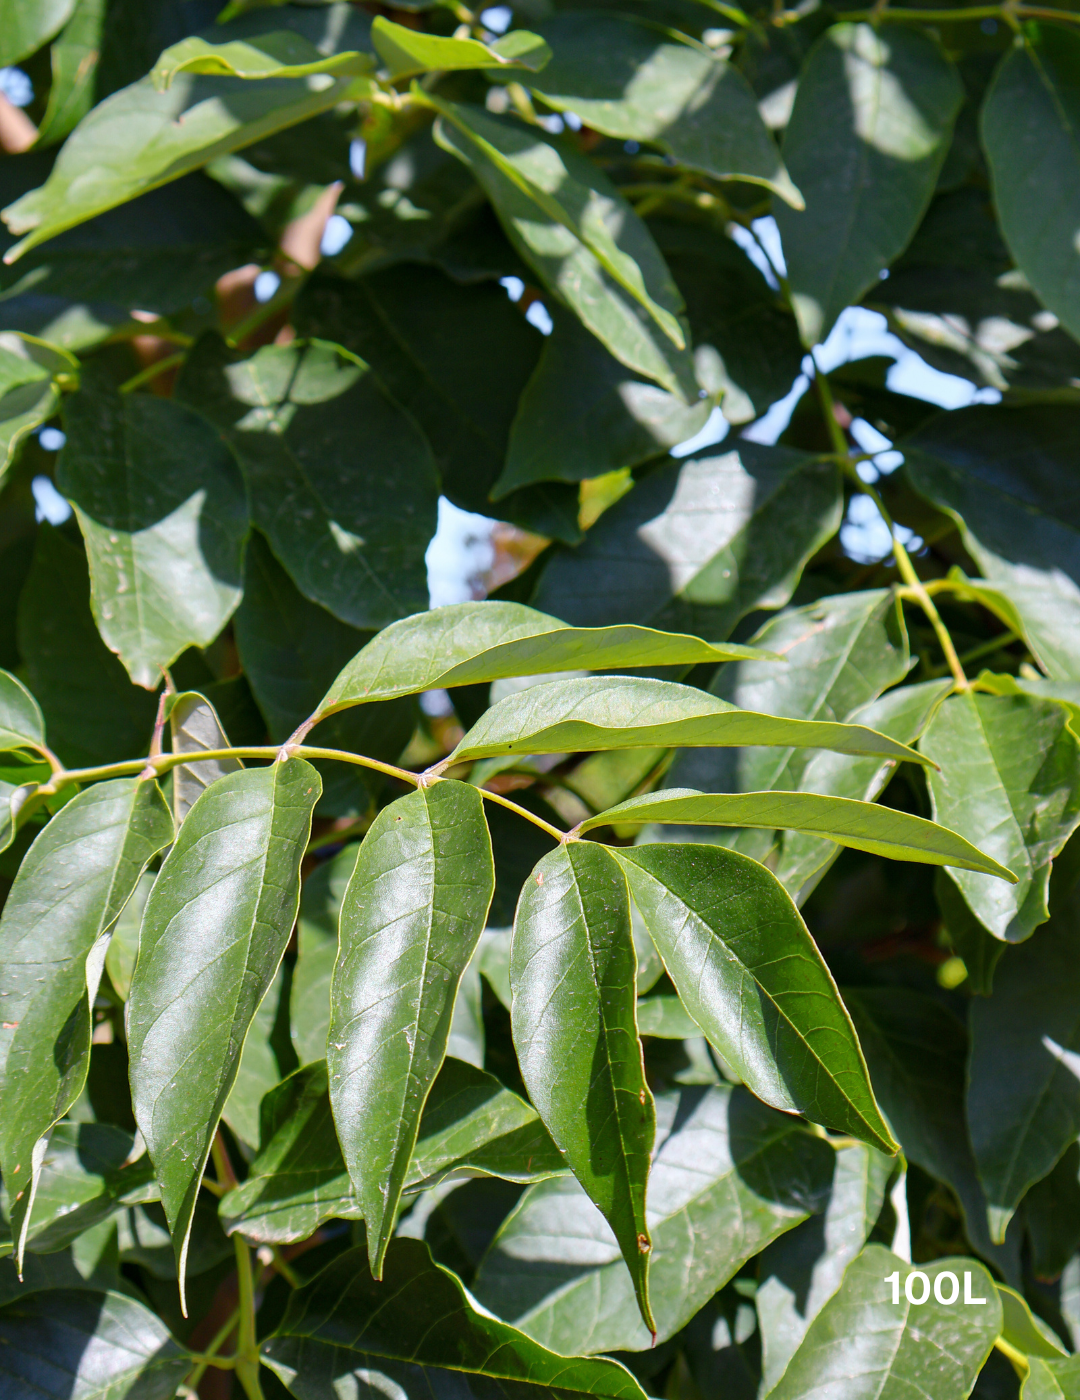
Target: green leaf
(582, 415)
(916, 1050)
(473, 643)
(862, 1346)
(21, 722)
(869, 131)
(580, 236)
(29, 391)
(169, 134)
(317, 948)
(749, 974)
(980, 950)
(1052, 1380)
(620, 712)
(803, 1269)
(418, 1332)
(87, 1173)
(758, 513)
(268, 1057)
(72, 884)
(74, 55)
(219, 915)
(471, 1126)
(666, 1018)
(1022, 758)
(729, 1175)
(164, 516)
(123, 950)
(97, 1346)
(746, 342)
(277, 54)
(635, 80)
(406, 52)
(320, 493)
(291, 649)
(573, 973)
(861, 825)
(195, 728)
(93, 714)
(410, 919)
(27, 24)
(1023, 1102)
(1022, 1329)
(1052, 1216)
(1036, 155)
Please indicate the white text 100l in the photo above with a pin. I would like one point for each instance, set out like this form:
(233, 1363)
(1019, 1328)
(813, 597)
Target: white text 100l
(946, 1288)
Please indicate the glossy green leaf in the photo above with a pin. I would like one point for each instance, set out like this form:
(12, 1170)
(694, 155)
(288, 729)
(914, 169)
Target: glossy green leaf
(582, 239)
(74, 881)
(21, 722)
(869, 131)
(74, 56)
(316, 953)
(1035, 155)
(637, 81)
(618, 712)
(1023, 760)
(410, 919)
(700, 543)
(729, 1175)
(123, 950)
(752, 978)
(277, 54)
(320, 493)
(164, 515)
(862, 1345)
(29, 392)
(1023, 1099)
(471, 1126)
(195, 728)
(581, 415)
(96, 1346)
(458, 1350)
(171, 133)
(916, 1050)
(1052, 1380)
(803, 1269)
(862, 825)
(406, 52)
(290, 650)
(573, 973)
(220, 913)
(88, 1171)
(267, 1058)
(473, 643)
(27, 24)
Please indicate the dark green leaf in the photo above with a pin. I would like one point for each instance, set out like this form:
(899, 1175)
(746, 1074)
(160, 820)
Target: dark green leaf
(29, 393)
(581, 415)
(473, 643)
(586, 244)
(636, 80)
(618, 712)
(349, 516)
(752, 978)
(410, 919)
(803, 1269)
(700, 543)
(74, 881)
(868, 134)
(406, 52)
(164, 516)
(1023, 1097)
(267, 1058)
(457, 1352)
(1029, 123)
(573, 973)
(317, 947)
(27, 24)
(291, 649)
(123, 950)
(219, 915)
(21, 724)
(195, 728)
(1022, 759)
(862, 1346)
(1052, 1216)
(97, 1346)
(729, 1176)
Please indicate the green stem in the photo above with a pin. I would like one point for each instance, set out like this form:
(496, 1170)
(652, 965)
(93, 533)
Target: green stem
(291, 1277)
(1009, 13)
(247, 1346)
(152, 371)
(206, 1358)
(983, 649)
(284, 297)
